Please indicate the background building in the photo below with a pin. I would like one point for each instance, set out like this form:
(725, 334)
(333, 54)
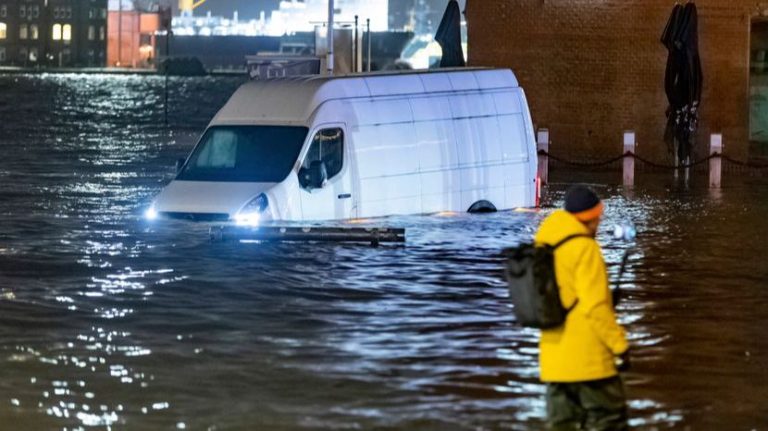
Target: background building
(23, 26)
(594, 69)
(61, 33)
(131, 38)
(91, 32)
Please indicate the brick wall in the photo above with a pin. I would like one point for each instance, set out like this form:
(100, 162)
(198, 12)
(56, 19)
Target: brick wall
(594, 68)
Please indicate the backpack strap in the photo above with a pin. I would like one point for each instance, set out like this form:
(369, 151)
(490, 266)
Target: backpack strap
(562, 242)
(568, 238)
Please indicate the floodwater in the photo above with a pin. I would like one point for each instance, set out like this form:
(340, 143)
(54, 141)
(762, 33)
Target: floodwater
(110, 322)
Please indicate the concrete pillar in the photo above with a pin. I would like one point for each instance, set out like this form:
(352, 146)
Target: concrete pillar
(630, 146)
(715, 163)
(542, 144)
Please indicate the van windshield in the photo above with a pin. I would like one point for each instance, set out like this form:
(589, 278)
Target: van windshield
(259, 154)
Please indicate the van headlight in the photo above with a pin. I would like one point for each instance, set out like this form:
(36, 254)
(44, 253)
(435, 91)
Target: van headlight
(250, 214)
(150, 213)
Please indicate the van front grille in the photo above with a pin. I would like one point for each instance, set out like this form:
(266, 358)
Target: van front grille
(196, 216)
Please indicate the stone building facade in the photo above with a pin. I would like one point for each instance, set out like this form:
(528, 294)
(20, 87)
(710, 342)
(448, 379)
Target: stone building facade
(592, 69)
(53, 33)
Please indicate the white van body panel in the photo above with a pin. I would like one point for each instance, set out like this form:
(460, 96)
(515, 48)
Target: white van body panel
(413, 142)
(209, 196)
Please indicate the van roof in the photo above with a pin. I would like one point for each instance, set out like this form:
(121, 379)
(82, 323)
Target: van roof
(292, 100)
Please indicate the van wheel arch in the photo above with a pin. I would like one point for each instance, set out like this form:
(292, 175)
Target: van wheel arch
(482, 207)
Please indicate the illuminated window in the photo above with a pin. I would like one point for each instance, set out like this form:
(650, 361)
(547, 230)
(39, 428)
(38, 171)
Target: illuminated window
(34, 33)
(3, 30)
(23, 31)
(66, 34)
(101, 33)
(56, 34)
(33, 54)
(91, 32)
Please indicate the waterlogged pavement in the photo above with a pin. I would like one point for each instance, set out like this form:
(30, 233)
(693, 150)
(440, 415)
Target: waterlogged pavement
(109, 321)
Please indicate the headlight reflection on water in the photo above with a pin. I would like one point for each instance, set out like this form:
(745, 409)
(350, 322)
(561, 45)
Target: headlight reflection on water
(250, 219)
(151, 213)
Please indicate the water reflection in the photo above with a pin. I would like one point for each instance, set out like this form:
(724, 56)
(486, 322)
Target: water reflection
(109, 321)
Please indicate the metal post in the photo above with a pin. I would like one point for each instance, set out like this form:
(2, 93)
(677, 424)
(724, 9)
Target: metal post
(134, 48)
(677, 160)
(630, 145)
(329, 58)
(368, 24)
(355, 44)
(542, 144)
(168, 35)
(120, 33)
(715, 163)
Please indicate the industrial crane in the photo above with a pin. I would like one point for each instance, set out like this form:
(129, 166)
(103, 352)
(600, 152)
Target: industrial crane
(187, 6)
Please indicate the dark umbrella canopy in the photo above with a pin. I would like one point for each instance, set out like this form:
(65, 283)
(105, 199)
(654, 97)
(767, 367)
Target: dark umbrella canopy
(449, 36)
(683, 78)
(668, 40)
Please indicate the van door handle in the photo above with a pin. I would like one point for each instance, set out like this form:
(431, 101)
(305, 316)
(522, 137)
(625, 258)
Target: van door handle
(345, 196)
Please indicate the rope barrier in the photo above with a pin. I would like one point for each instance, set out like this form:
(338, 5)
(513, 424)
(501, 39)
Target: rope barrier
(745, 164)
(655, 164)
(673, 167)
(591, 164)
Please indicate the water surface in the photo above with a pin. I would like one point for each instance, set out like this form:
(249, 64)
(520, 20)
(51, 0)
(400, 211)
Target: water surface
(108, 321)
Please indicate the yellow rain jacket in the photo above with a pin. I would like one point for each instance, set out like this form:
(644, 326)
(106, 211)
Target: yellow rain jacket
(583, 349)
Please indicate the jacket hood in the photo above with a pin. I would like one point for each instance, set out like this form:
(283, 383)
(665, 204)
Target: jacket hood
(559, 225)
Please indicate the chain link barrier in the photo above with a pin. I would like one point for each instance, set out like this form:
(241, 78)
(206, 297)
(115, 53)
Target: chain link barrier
(653, 164)
(750, 165)
(582, 164)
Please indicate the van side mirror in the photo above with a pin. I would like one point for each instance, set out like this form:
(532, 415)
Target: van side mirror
(179, 165)
(315, 176)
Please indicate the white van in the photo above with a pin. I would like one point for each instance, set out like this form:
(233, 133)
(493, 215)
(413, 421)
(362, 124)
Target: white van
(359, 146)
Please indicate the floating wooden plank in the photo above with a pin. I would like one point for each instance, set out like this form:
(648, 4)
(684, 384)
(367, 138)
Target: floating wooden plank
(374, 236)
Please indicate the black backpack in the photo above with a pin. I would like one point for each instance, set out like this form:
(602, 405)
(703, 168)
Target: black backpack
(530, 272)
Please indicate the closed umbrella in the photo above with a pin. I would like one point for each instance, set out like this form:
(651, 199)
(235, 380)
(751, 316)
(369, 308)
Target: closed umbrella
(449, 36)
(668, 40)
(683, 78)
(670, 75)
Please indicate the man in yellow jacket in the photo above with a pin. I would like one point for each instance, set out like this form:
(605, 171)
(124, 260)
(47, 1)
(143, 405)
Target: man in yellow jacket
(578, 359)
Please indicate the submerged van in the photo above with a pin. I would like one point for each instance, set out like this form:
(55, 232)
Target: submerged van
(359, 146)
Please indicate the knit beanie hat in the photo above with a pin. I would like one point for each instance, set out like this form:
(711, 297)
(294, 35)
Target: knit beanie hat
(583, 203)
